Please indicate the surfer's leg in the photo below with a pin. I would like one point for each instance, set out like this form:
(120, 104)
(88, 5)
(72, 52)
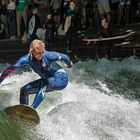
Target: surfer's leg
(57, 82)
(30, 88)
(39, 98)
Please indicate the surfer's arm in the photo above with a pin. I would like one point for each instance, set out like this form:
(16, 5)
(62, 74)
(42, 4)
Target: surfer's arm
(12, 68)
(55, 56)
(66, 59)
(7, 71)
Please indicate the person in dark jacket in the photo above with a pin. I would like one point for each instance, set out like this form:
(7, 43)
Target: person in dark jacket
(34, 24)
(2, 31)
(71, 34)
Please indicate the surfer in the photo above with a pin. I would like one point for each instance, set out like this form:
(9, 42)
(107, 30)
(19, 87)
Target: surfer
(53, 76)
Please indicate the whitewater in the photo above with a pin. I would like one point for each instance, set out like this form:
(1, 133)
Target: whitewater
(101, 102)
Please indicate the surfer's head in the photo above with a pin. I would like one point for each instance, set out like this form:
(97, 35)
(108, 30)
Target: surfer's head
(37, 48)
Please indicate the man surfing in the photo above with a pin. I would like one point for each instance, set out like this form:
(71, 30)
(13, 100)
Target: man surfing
(53, 76)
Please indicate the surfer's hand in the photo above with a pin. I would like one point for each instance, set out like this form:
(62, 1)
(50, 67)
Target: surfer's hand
(62, 64)
(69, 66)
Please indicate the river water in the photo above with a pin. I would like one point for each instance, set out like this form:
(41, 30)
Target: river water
(101, 102)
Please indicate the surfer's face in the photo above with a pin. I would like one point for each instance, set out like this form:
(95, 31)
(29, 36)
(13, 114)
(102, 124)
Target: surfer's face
(38, 53)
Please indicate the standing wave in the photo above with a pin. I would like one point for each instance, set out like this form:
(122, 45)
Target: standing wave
(101, 102)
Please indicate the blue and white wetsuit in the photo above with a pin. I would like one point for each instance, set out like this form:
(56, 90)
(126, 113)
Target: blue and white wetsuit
(53, 77)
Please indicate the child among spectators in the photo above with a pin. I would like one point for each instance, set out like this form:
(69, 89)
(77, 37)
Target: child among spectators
(50, 27)
(103, 47)
(104, 32)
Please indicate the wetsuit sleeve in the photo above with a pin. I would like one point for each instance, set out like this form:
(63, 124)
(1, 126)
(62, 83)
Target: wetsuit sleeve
(12, 68)
(55, 56)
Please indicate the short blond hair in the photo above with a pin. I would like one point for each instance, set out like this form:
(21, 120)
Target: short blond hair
(36, 45)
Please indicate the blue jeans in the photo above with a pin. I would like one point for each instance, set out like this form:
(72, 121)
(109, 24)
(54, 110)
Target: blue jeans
(12, 25)
(39, 87)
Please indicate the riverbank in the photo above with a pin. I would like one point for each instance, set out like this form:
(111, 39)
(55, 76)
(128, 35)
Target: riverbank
(11, 50)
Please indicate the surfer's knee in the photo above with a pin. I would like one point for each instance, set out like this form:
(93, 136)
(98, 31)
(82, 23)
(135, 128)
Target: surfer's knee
(23, 91)
(60, 82)
(64, 79)
(23, 95)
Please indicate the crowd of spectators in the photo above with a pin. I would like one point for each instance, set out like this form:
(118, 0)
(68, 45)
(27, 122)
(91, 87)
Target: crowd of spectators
(24, 18)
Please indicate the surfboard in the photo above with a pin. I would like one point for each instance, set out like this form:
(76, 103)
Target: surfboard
(24, 113)
(109, 38)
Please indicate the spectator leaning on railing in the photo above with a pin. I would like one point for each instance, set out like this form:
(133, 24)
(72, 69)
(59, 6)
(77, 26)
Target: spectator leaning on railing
(103, 32)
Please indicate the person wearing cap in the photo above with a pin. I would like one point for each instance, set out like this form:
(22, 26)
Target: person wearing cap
(52, 75)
